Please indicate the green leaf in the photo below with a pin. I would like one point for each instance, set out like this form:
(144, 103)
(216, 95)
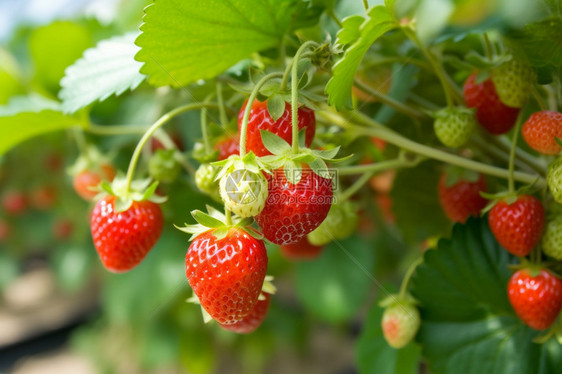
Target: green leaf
(54, 47)
(336, 295)
(414, 193)
(206, 220)
(275, 106)
(339, 87)
(462, 288)
(273, 143)
(108, 68)
(349, 33)
(374, 355)
(26, 117)
(184, 41)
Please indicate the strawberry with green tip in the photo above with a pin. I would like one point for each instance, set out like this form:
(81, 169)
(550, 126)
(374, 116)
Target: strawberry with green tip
(517, 223)
(513, 81)
(163, 166)
(205, 180)
(243, 192)
(536, 296)
(454, 126)
(126, 225)
(542, 129)
(400, 321)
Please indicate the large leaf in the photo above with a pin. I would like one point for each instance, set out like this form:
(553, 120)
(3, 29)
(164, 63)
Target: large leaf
(362, 35)
(184, 41)
(54, 47)
(335, 295)
(468, 325)
(374, 355)
(107, 69)
(414, 196)
(29, 116)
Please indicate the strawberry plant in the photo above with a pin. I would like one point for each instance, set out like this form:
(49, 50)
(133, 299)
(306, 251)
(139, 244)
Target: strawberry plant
(320, 154)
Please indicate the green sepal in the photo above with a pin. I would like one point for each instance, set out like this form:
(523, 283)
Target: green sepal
(319, 167)
(396, 299)
(140, 190)
(292, 171)
(90, 159)
(274, 143)
(275, 106)
(206, 219)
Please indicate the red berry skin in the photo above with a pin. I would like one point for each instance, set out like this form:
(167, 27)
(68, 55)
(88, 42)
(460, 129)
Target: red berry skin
(253, 320)
(43, 198)
(84, 181)
(541, 130)
(14, 202)
(536, 299)
(226, 275)
(228, 146)
(518, 226)
(462, 199)
(496, 117)
(62, 229)
(123, 239)
(293, 210)
(301, 250)
(261, 120)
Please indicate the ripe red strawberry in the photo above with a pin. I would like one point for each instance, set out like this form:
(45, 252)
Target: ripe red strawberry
(253, 320)
(541, 130)
(293, 210)
(462, 199)
(88, 179)
(400, 323)
(14, 202)
(517, 226)
(226, 274)
(123, 239)
(261, 120)
(536, 297)
(301, 250)
(228, 146)
(496, 117)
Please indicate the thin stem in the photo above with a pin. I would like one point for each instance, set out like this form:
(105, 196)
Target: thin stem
(538, 97)
(228, 215)
(159, 123)
(295, 94)
(204, 129)
(487, 46)
(289, 69)
(377, 167)
(356, 186)
(116, 130)
(366, 5)
(220, 102)
(503, 143)
(80, 141)
(407, 276)
(510, 182)
(334, 17)
(253, 95)
(438, 69)
(395, 104)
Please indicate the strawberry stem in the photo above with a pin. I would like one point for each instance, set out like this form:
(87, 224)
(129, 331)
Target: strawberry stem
(222, 108)
(289, 69)
(253, 95)
(159, 123)
(407, 276)
(517, 128)
(295, 93)
(228, 215)
(204, 132)
(366, 5)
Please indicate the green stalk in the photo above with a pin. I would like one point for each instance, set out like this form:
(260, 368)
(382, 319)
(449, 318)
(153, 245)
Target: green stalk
(407, 276)
(159, 123)
(253, 95)
(511, 183)
(116, 130)
(220, 102)
(204, 130)
(378, 166)
(366, 5)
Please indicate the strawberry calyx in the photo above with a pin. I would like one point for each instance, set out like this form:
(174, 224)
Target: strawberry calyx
(397, 299)
(219, 224)
(292, 163)
(454, 174)
(509, 197)
(447, 112)
(249, 162)
(534, 269)
(140, 190)
(92, 160)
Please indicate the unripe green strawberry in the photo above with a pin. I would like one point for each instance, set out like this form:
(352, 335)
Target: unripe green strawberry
(205, 180)
(513, 80)
(163, 167)
(400, 324)
(454, 126)
(552, 238)
(554, 179)
(340, 223)
(243, 192)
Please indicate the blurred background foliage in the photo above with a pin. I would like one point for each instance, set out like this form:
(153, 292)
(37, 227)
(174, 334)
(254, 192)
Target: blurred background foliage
(321, 320)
